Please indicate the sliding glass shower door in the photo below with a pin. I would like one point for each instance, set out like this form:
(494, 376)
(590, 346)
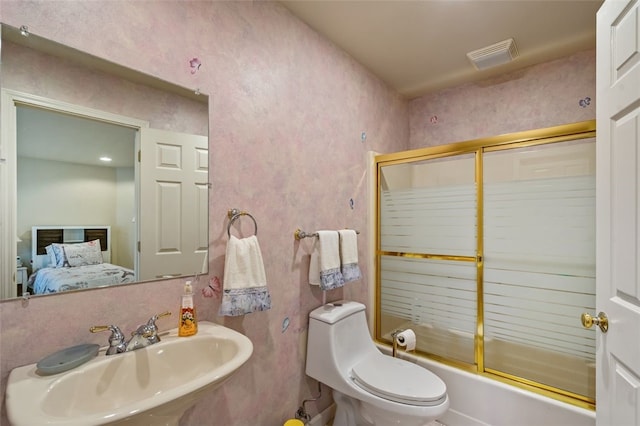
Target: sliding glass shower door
(486, 249)
(428, 243)
(539, 264)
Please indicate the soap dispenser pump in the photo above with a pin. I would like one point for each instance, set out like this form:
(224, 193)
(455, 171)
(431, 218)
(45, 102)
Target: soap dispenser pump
(188, 325)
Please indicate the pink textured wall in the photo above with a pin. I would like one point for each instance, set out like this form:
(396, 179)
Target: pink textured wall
(286, 112)
(544, 95)
(67, 81)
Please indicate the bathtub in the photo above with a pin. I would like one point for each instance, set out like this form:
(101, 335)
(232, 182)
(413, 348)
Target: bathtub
(480, 401)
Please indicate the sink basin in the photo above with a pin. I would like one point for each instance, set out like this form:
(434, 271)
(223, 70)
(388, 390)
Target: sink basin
(149, 386)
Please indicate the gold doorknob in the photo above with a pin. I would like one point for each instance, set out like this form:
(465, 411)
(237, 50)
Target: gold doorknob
(601, 321)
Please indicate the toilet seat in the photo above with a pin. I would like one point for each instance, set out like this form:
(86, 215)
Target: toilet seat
(399, 381)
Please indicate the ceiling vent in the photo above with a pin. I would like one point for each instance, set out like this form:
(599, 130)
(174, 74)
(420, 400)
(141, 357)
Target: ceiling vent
(496, 54)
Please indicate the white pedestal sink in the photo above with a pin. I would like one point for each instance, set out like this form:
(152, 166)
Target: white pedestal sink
(149, 386)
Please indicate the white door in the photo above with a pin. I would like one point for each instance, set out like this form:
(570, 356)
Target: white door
(173, 204)
(618, 213)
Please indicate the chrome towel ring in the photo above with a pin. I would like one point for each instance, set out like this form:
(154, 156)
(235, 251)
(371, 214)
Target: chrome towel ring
(234, 214)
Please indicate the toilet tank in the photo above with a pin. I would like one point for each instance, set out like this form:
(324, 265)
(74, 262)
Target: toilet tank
(338, 338)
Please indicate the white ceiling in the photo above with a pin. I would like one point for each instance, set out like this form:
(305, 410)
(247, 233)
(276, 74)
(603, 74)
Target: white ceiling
(420, 46)
(54, 136)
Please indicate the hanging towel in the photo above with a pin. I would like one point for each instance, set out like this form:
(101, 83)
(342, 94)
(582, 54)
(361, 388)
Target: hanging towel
(245, 283)
(329, 248)
(314, 264)
(349, 255)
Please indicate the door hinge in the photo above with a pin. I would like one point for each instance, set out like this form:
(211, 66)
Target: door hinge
(138, 246)
(139, 156)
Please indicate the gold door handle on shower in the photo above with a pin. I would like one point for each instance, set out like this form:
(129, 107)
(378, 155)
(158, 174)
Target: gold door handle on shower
(601, 321)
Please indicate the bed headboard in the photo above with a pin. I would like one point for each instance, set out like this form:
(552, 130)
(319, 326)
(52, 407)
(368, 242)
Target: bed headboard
(42, 236)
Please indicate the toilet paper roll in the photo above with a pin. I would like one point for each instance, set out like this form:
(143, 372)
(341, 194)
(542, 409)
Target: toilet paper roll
(407, 339)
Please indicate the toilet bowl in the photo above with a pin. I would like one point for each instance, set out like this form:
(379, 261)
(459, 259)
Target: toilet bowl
(369, 388)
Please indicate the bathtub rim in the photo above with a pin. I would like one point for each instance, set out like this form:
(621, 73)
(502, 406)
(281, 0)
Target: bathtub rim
(469, 414)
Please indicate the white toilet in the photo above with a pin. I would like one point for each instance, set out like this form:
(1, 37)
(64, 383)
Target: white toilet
(369, 388)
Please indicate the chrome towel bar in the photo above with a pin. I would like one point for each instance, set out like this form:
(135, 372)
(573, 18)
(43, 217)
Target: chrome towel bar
(300, 234)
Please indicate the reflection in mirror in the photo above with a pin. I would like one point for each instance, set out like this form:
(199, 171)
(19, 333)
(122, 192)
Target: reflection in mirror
(104, 172)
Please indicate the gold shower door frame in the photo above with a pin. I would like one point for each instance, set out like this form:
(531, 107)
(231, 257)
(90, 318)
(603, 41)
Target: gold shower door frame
(563, 133)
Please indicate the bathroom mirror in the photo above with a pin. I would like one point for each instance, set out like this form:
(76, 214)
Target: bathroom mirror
(62, 110)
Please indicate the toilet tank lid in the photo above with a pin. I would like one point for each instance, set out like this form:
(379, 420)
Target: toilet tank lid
(335, 311)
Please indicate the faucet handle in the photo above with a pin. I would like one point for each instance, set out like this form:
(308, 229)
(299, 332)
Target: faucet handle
(116, 340)
(154, 318)
(153, 329)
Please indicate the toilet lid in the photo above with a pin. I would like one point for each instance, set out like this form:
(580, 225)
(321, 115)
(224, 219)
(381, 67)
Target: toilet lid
(399, 380)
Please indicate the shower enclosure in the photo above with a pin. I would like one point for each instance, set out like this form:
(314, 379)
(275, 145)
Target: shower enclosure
(486, 249)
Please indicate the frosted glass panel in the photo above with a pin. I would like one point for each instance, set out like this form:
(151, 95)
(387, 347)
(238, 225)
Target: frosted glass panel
(539, 264)
(429, 207)
(437, 299)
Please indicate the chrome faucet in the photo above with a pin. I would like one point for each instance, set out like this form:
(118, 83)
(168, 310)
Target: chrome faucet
(145, 335)
(116, 340)
(139, 339)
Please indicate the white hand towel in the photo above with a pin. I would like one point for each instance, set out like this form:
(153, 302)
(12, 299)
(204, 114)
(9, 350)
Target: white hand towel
(349, 255)
(245, 283)
(314, 264)
(329, 248)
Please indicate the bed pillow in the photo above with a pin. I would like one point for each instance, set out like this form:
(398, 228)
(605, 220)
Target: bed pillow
(52, 256)
(58, 260)
(83, 254)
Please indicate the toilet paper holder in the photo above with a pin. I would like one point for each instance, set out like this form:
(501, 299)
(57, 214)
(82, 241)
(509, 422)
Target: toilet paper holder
(396, 338)
(405, 338)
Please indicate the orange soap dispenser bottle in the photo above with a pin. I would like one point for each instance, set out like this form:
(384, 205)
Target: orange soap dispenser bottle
(188, 325)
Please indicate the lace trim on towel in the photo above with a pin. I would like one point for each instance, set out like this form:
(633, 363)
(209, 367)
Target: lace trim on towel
(351, 272)
(244, 301)
(331, 278)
